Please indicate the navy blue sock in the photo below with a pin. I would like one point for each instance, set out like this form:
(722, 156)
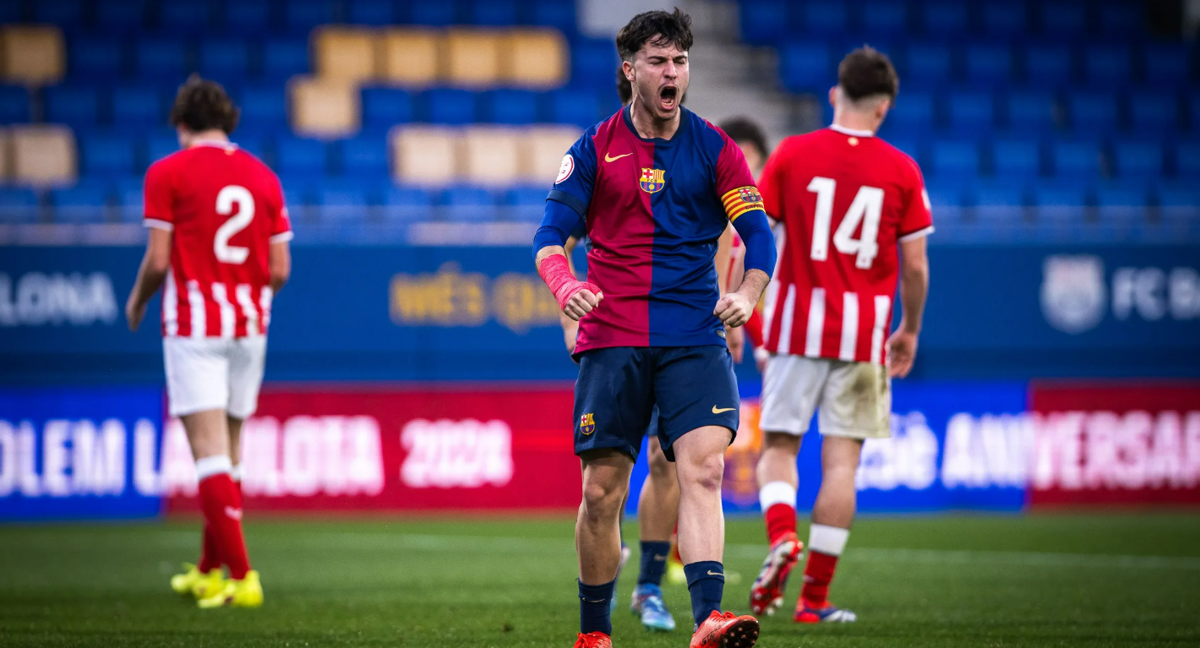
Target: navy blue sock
(594, 610)
(654, 562)
(706, 583)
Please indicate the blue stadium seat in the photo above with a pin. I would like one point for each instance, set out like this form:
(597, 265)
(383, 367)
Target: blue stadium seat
(885, 16)
(469, 203)
(450, 106)
(1166, 63)
(1075, 158)
(512, 106)
(76, 106)
(807, 67)
(372, 12)
(1004, 17)
(67, 14)
(594, 62)
(989, 63)
(93, 59)
(108, 156)
(1180, 209)
(1154, 113)
(225, 60)
(303, 15)
(942, 17)
(1187, 160)
(160, 146)
(137, 106)
(999, 194)
(186, 16)
(252, 144)
(161, 58)
(251, 17)
(283, 58)
(1121, 212)
(526, 203)
(407, 204)
(998, 208)
(14, 104)
(1030, 110)
(1048, 65)
(574, 107)
(130, 200)
(1107, 64)
(1063, 18)
(120, 16)
(912, 147)
(365, 157)
(300, 157)
(84, 203)
(493, 13)
(1092, 112)
(914, 112)
(386, 107)
(764, 22)
(342, 196)
(18, 205)
(1059, 209)
(928, 63)
(1121, 18)
(553, 13)
(263, 107)
(1139, 158)
(971, 110)
(824, 17)
(1016, 158)
(434, 14)
(954, 158)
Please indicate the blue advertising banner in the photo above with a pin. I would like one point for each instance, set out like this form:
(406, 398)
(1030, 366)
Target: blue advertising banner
(80, 453)
(446, 313)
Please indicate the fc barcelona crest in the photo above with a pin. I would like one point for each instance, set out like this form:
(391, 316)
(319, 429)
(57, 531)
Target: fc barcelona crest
(653, 180)
(749, 195)
(587, 424)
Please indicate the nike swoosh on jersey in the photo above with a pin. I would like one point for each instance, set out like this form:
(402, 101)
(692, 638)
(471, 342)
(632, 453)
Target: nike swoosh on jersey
(722, 410)
(608, 158)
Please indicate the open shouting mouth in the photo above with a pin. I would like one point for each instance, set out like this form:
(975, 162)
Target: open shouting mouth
(668, 98)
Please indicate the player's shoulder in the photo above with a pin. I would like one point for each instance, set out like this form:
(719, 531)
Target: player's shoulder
(903, 162)
(709, 132)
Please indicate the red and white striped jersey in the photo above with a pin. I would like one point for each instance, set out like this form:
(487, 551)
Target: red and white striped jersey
(846, 199)
(225, 208)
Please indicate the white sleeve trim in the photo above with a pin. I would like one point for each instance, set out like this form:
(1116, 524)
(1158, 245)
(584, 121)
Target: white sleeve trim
(917, 234)
(282, 236)
(158, 224)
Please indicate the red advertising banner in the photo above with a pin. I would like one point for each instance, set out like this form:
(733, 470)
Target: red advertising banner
(1115, 444)
(397, 450)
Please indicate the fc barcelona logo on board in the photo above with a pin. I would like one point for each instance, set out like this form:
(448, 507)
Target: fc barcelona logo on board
(587, 424)
(653, 180)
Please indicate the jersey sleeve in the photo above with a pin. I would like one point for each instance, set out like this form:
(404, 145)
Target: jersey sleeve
(917, 220)
(735, 185)
(281, 223)
(157, 198)
(577, 176)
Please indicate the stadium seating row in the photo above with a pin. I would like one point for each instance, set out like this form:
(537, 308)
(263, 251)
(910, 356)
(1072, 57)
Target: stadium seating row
(811, 64)
(1020, 158)
(486, 156)
(299, 16)
(772, 21)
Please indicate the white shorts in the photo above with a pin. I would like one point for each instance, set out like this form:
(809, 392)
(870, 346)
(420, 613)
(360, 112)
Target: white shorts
(854, 398)
(214, 373)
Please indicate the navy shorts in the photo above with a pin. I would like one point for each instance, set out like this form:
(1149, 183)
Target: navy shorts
(619, 387)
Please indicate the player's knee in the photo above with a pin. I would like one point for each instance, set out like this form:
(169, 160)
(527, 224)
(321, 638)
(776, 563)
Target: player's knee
(705, 473)
(602, 500)
(781, 442)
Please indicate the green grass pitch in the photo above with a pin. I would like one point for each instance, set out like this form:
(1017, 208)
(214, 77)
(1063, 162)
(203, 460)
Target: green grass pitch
(1038, 580)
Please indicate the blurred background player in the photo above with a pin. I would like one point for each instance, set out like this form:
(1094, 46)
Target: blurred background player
(847, 201)
(656, 338)
(218, 246)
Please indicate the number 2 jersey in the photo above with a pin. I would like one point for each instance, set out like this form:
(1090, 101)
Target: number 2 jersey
(225, 208)
(846, 199)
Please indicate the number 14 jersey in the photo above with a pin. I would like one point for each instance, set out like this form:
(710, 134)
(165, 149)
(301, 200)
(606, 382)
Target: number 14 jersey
(845, 199)
(225, 208)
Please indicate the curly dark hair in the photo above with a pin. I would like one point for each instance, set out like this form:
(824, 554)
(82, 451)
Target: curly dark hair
(202, 105)
(741, 129)
(867, 72)
(657, 28)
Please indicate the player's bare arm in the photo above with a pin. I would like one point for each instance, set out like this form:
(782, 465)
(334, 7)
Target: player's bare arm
(914, 286)
(735, 308)
(279, 260)
(153, 271)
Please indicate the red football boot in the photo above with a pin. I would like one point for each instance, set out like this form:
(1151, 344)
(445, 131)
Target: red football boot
(593, 640)
(726, 630)
(767, 593)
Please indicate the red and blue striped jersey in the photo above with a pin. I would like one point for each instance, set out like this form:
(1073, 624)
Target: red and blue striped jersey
(653, 210)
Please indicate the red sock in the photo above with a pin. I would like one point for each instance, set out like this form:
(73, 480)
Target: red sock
(210, 555)
(223, 514)
(781, 520)
(817, 575)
